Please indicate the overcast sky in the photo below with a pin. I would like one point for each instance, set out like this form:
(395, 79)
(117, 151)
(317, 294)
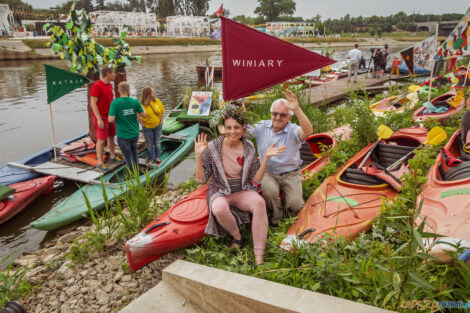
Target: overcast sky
(328, 8)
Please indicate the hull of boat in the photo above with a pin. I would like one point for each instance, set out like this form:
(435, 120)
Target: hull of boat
(346, 203)
(446, 202)
(10, 175)
(179, 227)
(385, 105)
(419, 115)
(75, 207)
(25, 194)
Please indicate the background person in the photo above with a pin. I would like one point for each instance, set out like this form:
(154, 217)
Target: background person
(378, 56)
(152, 123)
(230, 163)
(354, 57)
(283, 171)
(395, 67)
(101, 96)
(124, 111)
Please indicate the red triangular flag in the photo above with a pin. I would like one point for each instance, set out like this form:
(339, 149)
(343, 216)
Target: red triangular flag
(220, 11)
(253, 60)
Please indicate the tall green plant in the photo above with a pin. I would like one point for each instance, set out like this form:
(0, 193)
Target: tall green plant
(75, 44)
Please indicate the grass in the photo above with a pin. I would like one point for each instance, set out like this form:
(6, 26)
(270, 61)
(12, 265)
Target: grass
(387, 267)
(13, 284)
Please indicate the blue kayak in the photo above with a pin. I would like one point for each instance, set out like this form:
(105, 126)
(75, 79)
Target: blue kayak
(418, 70)
(10, 175)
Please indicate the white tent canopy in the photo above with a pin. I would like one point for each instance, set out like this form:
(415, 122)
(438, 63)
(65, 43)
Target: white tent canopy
(113, 22)
(6, 18)
(188, 26)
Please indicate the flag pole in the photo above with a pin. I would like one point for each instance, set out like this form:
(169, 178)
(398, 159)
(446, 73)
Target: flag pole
(53, 133)
(430, 80)
(466, 75)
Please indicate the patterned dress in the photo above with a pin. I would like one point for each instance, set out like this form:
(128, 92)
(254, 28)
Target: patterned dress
(219, 186)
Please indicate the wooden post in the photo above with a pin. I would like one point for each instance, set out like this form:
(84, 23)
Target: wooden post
(53, 133)
(466, 75)
(430, 80)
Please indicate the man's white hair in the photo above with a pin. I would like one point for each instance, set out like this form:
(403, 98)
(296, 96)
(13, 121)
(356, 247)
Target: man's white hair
(280, 101)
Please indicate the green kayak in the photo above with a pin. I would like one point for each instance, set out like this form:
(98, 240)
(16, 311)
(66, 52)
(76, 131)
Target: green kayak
(74, 207)
(182, 115)
(171, 124)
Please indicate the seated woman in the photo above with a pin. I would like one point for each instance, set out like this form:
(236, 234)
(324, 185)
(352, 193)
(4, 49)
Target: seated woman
(231, 164)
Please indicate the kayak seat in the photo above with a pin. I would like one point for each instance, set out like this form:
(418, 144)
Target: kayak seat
(386, 154)
(306, 154)
(383, 156)
(458, 172)
(356, 176)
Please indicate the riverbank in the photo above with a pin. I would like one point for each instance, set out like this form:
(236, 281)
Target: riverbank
(36, 47)
(65, 279)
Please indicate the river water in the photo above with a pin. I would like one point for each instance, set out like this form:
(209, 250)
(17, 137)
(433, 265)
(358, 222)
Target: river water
(25, 124)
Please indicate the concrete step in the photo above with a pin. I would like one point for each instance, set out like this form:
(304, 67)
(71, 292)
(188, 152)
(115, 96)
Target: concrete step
(162, 299)
(206, 289)
(214, 290)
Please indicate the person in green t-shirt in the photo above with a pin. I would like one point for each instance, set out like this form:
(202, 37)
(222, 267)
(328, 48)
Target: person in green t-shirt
(124, 111)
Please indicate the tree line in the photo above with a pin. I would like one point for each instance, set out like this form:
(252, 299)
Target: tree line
(266, 11)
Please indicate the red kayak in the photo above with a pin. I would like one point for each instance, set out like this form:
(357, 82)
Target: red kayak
(328, 140)
(420, 116)
(180, 226)
(184, 223)
(25, 193)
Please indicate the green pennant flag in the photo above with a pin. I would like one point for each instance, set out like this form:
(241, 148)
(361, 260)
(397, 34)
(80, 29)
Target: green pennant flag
(60, 82)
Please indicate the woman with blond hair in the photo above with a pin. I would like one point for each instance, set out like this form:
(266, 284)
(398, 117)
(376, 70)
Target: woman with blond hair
(152, 124)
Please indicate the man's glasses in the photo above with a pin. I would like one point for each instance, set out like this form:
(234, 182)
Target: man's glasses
(281, 115)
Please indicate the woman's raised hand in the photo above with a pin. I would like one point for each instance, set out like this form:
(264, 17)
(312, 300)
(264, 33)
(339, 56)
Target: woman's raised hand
(273, 150)
(200, 144)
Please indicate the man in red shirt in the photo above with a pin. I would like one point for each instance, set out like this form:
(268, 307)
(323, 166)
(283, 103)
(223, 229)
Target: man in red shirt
(101, 97)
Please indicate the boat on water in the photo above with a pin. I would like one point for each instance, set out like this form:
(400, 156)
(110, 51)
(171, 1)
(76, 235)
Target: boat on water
(346, 203)
(395, 104)
(25, 193)
(201, 70)
(443, 101)
(184, 223)
(321, 80)
(445, 201)
(74, 207)
(418, 70)
(10, 174)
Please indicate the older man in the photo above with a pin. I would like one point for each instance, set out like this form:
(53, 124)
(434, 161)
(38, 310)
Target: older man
(283, 172)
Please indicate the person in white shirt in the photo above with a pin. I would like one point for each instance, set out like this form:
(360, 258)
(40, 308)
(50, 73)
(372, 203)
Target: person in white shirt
(354, 57)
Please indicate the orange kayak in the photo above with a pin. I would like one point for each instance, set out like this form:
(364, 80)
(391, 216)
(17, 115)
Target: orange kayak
(446, 202)
(346, 203)
(420, 116)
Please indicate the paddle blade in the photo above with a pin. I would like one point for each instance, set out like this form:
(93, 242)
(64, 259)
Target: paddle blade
(414, 88)
(436, 136)
(384, 132)
(457, 99)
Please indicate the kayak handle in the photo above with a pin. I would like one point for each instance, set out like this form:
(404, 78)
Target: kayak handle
(156, 226)
(305, 232)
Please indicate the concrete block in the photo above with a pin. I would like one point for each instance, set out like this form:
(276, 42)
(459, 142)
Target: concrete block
(213, 290)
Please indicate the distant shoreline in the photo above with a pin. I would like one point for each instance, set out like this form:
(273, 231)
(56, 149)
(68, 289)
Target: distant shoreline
(149, 46)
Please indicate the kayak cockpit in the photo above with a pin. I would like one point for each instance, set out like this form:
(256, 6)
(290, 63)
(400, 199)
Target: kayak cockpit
(383, 155)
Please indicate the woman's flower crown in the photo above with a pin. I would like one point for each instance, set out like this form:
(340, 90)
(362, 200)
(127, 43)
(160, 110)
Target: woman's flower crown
(228, 111)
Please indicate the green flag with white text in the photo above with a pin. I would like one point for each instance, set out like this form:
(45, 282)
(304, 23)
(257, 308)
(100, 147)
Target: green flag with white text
(60, 82)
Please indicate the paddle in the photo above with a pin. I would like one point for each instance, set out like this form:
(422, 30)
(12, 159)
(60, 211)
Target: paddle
(434, 137)
(456, 99)
(399, 98)
(383, 132)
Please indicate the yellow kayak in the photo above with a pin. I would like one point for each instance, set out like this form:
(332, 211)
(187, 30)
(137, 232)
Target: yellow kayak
(392, 105)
